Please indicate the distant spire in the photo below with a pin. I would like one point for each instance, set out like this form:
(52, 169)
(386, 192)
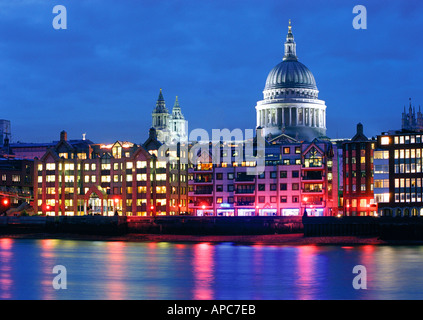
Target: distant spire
(160, 96)
(161, 104)
(176, 111)
(290, 46)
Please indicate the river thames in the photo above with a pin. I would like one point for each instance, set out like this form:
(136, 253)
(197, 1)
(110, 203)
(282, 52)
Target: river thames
(194, 271)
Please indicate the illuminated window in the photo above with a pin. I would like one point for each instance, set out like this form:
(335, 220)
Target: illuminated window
(50, 166)
(87, 179)
(93, 179)
(105, 166)
(161, 177)
(86, 166)
(286, 150)
(117, 152)
(141, 177)
(82, 156)
(129, 177)
(313, 158)
(129, 165)
(161, 189)
(93, 166)
(116, 178)
(141, 189)
(69, 166)
(40, 167)
(141, 164)
(385, 141)
(161, 164)
(69, 178)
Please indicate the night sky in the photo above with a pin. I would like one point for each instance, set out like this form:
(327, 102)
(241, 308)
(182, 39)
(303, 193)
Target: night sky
(102, 75)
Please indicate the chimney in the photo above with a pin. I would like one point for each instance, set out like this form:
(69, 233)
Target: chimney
(360, 129)
(153, 133)
(63, 136)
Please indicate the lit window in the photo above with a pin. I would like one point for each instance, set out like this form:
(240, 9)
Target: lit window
(141, 177)
(141, 164)
(384, 141)
(129, 165)
(105, 166)
(105, 179)
(161, 177)
(160, 164)
(50, 166)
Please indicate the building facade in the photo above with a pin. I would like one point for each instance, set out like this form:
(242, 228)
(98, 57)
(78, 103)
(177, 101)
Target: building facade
(16, 181)
(120, 178)
(358, 195)
(297, 177)
(290, 102)
(398, 173)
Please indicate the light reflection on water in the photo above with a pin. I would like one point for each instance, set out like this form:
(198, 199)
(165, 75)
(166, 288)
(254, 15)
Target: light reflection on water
(185, 271)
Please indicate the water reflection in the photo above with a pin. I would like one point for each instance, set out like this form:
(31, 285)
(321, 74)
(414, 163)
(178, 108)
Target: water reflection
(306, 266)
(6, 281)
(116, 271)
(203, 271)
(120, 270)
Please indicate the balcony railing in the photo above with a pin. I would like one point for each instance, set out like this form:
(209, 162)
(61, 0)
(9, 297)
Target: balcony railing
(245, 178)
(245, 203)
(315, 190)
(203, 180)
(244, 191)
(203, 191)
(312, 203)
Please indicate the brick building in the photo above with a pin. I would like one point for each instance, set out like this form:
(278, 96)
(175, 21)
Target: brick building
(87, 178)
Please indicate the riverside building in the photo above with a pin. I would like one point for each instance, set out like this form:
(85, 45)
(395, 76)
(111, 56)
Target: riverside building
(298, 176)
(120, 178)
(358, 183)
(398, 173)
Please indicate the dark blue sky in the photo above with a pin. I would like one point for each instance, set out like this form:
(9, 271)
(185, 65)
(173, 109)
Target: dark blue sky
(102, 75)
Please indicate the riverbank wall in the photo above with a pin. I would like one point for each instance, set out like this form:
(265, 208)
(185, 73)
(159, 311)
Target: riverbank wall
(184, 225)
(386, 228)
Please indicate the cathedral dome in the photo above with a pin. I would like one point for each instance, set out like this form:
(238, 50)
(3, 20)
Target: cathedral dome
(290, 74)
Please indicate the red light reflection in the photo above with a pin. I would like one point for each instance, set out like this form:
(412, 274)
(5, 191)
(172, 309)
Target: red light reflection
(203, 266)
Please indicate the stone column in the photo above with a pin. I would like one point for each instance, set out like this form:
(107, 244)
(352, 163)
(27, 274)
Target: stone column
(290, 116)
